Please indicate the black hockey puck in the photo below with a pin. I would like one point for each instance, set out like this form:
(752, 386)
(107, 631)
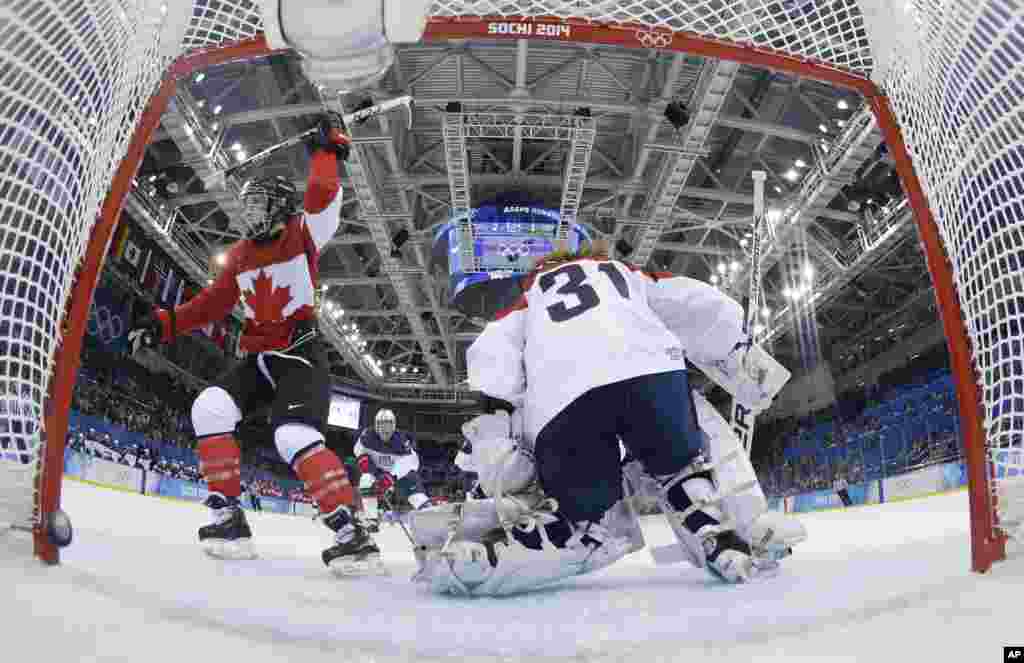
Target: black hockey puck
(58, 528)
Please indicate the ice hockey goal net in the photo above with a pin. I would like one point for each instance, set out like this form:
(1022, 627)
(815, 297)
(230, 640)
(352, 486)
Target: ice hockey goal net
(84, 83)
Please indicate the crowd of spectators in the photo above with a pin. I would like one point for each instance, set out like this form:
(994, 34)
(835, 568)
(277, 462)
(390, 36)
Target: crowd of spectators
(897, 430)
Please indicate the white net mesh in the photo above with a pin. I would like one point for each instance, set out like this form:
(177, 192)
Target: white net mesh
(959, 97)
(75, 76)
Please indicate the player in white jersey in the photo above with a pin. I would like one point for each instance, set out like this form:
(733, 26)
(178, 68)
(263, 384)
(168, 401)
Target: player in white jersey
(593, 352)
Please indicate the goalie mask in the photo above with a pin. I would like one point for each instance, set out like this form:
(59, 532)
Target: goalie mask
(384, 424)
(267, 202)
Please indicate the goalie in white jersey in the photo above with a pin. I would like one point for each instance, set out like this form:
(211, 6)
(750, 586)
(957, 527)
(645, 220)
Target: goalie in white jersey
(595, 351)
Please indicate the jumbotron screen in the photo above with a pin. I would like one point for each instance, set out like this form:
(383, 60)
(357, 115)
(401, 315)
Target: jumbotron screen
(513, 237)
(508, 238)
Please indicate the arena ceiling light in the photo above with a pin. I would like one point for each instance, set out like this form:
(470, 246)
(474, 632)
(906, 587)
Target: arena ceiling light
(800, 163)
(792, 175)
(199, 77)
(842, 104)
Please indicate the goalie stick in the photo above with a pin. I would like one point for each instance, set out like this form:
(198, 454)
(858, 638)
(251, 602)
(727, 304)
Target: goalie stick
(743, 417)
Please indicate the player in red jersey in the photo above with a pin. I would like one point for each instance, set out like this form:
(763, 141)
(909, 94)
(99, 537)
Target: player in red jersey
(273, 274)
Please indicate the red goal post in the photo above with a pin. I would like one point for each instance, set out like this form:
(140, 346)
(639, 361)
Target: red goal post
(102, 97)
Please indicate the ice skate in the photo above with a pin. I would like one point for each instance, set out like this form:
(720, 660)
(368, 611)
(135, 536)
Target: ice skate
(354, 552)
(692, 507)
(229, 536)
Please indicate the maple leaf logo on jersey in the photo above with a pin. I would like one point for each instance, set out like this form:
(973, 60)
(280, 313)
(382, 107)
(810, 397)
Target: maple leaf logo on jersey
(266, 301)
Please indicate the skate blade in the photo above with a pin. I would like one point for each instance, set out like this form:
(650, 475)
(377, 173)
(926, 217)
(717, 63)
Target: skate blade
(348, 568)
(238, 549)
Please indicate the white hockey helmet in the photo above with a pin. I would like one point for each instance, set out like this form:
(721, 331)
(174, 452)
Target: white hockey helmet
(384, 424)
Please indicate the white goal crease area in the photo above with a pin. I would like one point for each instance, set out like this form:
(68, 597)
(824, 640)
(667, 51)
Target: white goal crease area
(84, 84)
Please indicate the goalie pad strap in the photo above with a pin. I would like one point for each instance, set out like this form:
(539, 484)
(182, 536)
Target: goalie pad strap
(220, 463)
(324, 478)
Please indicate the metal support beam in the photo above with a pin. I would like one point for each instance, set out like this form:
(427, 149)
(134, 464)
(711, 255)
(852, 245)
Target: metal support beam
(604, 107)
(712, 91)
(458, 185)
(370, 206)
(576, 168)
(831, 173)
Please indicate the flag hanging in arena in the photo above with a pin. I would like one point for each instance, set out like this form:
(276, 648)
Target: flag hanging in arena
(108, 320)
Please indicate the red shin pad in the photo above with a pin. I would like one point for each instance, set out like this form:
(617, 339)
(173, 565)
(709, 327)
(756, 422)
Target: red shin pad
(220, 463)
(325, 478)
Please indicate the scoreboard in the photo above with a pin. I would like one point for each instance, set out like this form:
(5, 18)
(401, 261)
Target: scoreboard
(508, 239)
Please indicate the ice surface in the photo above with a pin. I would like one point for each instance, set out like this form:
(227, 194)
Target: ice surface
(883, 583)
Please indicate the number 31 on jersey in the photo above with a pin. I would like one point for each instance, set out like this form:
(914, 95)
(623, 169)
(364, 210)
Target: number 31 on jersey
(577, 295)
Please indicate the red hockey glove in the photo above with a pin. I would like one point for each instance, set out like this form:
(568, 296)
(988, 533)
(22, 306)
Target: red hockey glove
(363, 463)
(332, 136)
(383, 484)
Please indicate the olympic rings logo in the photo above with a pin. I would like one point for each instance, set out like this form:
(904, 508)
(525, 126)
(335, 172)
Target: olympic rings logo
(105, 325)
(653, 39)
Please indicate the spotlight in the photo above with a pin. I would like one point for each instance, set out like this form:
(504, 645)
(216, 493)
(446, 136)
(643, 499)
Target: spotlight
(722, 268)
(734, 266)
(766, 312)
(800, 163)
(792, 175)
(199, 77)
(217, 109)
(842, 104)
(714, 279)
(677, 115)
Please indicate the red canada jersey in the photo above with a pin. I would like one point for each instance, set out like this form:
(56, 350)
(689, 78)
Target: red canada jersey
(275, 281)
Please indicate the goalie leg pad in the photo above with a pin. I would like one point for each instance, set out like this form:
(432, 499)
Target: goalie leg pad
(743, 499)
(470, 568)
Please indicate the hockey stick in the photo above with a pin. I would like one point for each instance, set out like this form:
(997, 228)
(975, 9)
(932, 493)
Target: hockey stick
(356, 117)
(398, 517)
(743, 417)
